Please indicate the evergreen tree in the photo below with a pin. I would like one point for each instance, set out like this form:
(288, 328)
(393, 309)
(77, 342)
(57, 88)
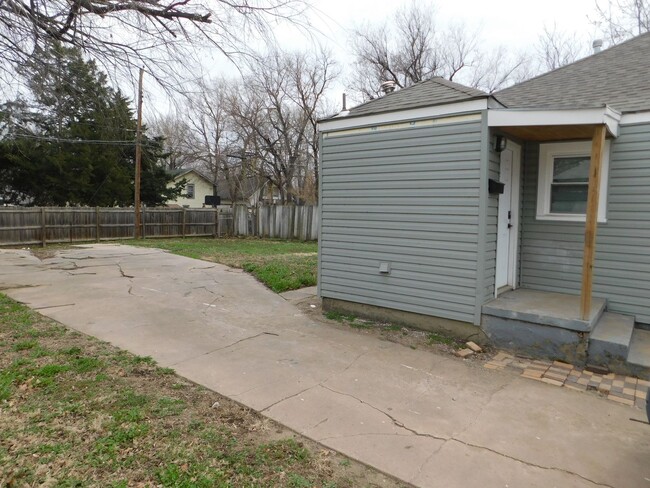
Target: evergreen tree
(72, 142)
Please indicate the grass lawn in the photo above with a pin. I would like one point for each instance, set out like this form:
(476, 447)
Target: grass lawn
(75, 411)
(280, 265)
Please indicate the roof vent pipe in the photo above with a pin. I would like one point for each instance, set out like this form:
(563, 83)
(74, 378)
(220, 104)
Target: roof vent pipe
(597, 45)
(388, 86)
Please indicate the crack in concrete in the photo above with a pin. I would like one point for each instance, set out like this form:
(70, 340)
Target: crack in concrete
(289, 397)
(55, 306)
(483, 408)
(468, 427)
(266, 385)
(528, 463)
(318, 424)
(393, 419)
(445, 440)
(226, 347)
(321, 383)
(426, 461)
(133, 294)
(124, 275)
(18, 287)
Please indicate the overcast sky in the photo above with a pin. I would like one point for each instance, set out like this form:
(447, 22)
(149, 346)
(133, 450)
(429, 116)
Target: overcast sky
(508, 22)
(515, 23)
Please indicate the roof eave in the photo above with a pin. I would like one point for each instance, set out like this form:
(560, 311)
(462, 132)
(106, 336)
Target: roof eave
(526, 117)
(475, 104)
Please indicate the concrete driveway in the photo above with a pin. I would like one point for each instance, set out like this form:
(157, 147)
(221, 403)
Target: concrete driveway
(429, 420)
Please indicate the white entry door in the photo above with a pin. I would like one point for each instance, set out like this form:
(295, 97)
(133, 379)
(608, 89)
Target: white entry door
(508, 220)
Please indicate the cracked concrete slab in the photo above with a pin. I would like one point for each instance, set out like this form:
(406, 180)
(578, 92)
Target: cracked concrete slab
(456, 464)
(545, 419)
(427, 419)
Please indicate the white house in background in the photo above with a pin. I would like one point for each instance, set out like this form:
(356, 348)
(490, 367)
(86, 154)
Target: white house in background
(196, 189)
(254, 191)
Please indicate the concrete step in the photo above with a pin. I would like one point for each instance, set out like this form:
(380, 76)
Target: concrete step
(545, 308)
(609, 342)
(638, 359)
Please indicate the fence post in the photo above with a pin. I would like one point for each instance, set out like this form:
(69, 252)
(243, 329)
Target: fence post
(216, 222)
(97, 227)
(183, 225)
(144, 222)
(43, 229)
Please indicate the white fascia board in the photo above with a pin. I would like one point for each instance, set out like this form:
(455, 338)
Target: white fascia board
(638, 118)
(527, 118)
(343, 122)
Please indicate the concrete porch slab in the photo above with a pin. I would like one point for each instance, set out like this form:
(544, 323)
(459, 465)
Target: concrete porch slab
(545, 308)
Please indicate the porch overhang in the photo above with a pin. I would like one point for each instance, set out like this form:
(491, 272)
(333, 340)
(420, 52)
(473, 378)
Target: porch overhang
(554, 125)
(570, 124)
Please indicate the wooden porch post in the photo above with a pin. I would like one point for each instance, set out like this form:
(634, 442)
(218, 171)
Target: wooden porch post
(591, 224)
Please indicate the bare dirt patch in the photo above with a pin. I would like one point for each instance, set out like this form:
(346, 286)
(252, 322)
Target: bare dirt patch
(407, 336)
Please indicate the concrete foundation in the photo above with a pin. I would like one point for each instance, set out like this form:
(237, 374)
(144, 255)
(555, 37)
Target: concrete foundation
(536, 340)
(454, 328)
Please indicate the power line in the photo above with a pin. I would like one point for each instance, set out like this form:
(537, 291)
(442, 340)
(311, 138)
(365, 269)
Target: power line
(78, 141)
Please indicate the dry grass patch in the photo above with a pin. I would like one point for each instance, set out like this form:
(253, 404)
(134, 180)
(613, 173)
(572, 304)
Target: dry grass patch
(75, 411)
(280, 265)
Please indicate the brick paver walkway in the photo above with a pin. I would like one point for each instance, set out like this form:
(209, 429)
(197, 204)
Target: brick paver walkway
(622, 389)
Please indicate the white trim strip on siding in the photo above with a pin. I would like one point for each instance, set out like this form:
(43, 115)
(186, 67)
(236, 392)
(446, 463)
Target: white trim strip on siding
(413, 124)
(638, 118)
(343, 123)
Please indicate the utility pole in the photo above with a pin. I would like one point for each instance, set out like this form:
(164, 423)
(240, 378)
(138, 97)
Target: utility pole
(138, 158)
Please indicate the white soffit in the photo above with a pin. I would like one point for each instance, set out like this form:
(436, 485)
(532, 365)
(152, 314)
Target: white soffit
(343, 123)
(530, 118)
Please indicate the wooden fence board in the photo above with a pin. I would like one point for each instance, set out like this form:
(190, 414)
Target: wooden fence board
(48, 225)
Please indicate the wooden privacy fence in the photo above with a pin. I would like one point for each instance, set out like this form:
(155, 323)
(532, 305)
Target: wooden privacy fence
(277, 222)
(49, 225)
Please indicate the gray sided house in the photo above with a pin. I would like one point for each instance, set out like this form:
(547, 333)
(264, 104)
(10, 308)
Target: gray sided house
(521, 217)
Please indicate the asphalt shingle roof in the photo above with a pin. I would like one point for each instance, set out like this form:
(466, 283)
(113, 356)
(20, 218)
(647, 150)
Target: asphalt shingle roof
(435, 91)
(618, 77)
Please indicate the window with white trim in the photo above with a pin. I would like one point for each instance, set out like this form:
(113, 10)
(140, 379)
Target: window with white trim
(564, 181)
(189, 190)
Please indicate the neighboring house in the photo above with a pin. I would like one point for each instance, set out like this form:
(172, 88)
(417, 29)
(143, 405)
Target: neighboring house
(452, 209)
(199, 186)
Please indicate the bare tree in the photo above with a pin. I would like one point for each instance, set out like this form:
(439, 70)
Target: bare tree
(501, 67)
(556, 49)
(218, 150)
(619, 20)
(410, 48)
(275, 113)
(124, 34)
(178, 139)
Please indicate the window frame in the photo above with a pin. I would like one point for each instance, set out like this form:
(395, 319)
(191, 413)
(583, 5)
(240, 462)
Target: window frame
(547, 154)
(191, 196)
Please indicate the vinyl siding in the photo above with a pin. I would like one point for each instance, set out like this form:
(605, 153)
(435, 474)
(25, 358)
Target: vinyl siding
(551, 252)
(408, 197)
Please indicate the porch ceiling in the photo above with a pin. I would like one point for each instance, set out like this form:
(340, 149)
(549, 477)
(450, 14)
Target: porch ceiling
(548, 133)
